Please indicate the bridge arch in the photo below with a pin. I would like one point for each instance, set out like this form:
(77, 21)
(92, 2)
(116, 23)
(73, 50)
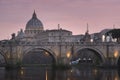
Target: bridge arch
(95, 50)
(49, 51)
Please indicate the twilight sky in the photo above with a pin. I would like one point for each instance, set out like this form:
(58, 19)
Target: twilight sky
(72, 15)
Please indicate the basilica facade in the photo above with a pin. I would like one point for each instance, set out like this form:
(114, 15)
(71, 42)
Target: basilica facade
(34, 32)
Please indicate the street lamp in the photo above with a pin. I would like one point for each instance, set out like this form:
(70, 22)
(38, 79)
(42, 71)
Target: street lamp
(68, 55)
(91, 40)
(46, 53)
(116, 53)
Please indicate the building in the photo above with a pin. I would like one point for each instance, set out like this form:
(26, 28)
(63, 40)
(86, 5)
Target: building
(34, 32)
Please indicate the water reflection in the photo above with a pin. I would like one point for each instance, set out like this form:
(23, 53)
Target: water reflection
(47, 73)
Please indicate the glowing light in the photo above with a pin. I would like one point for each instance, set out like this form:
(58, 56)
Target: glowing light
(103, 38)
(91, 40)
(95, 71)
(68, 78)
(68, 54)
(46, 53)
(71, 71)
(114, 40)
(21, 72)
(116, 54)
(116, 78)
(46, 75)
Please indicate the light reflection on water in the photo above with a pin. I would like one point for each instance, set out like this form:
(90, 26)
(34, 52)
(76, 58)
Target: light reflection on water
(43, 73)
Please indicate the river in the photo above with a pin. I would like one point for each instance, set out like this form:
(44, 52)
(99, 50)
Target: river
(47, 73)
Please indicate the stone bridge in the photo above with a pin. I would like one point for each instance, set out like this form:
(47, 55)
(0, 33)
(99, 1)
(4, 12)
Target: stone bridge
(61, 52)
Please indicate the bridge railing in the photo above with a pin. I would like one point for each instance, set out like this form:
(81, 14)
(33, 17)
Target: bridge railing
(22, 43)
(67, 43)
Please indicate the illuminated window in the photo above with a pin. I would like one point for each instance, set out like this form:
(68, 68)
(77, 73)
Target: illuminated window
(103, 38)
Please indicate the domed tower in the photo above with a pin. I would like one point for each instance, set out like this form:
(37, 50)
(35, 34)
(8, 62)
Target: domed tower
(33, 26)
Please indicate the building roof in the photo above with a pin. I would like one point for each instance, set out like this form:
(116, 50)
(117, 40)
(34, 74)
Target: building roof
(34, 23)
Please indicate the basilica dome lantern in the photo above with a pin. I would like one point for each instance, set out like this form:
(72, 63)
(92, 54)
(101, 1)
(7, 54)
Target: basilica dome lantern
(34, 26)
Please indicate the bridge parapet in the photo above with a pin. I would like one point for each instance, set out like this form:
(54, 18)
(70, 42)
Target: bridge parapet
(106, 49)
(68, 43)
(7, 43)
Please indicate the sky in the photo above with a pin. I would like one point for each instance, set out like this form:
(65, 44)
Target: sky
(72, 15)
